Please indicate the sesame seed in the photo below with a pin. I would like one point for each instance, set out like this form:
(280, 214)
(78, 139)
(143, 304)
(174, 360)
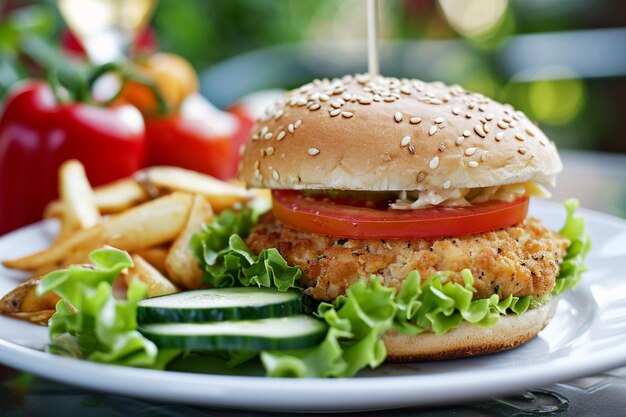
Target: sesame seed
(480, 131)
(482, 120)
(489, 117)
(502, 124)
(347, 114)
(522, 151)
(530, 132)
(365, 101)
(397, 117)
(435, 101)
(439, 120)
(434, 163)
(506, 120)
(268, 136)
(278, 114)
(459, 140)
(486, 128)
(269, 150)
(456, 111)
(405, 90)
(255, 136)
(275, 175)
(415, 120)
(389, 99)
(468, 115)
(470, 151)
(447, 184)
(297, 124)
(520, 137)
(412, 149)
(405, 141)
(335, 104)
(290, 128)
(324, 97)
(335, 112)
(420, 177)
(315, 106)
(473, 164)
(432, 130)
(301, 102)
(376, 97)
(467, 133)
(482, 107)
(516, 116)
(281, 135)
(471, 105)
(264, 130)
(499, 136)
(513, 123)
(313, 151)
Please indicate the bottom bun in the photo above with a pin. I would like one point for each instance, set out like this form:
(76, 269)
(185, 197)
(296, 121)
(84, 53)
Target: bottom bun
(469, 339)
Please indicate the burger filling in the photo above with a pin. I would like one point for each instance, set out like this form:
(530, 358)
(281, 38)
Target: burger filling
(519, 260)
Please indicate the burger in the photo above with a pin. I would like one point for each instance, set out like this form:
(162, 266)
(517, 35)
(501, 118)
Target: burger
(386, 178)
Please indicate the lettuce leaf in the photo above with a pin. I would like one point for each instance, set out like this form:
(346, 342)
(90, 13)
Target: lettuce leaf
(356, 322)
(573, 264)
(90, 323)
(226, 261)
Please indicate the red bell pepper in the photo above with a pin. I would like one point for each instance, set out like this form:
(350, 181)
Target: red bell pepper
(198, 137)
(38, 133)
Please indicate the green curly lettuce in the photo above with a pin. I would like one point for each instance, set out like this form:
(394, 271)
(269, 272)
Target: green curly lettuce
(439, 305)
(356, 322)
(573, 264)
(226, 261)
(90, 323)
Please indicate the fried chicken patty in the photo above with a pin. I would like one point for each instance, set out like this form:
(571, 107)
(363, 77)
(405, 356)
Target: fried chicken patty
(519, 260)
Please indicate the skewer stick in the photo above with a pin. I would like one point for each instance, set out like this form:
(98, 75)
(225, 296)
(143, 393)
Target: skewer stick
(372, 38)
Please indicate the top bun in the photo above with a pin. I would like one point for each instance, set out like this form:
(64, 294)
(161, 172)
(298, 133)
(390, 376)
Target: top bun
(389, 134)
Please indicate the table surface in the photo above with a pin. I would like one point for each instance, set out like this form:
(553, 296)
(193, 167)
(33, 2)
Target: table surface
(597, 180)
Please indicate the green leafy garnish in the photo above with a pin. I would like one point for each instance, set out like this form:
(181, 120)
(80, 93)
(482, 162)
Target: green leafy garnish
(573, 264)
(90, 323)
(356, 322)
(226, 261)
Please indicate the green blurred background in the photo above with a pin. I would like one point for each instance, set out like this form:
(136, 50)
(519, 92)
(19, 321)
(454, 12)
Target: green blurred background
(562, 62)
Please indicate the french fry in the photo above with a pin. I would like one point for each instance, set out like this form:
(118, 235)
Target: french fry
(110, 198)
(119, 196)
(180, 264)
(155, 256)
(149, 224)
(219, 194)
(149, 275)
(54, 209)
(79, 204)
(144, 226)
(24, 303)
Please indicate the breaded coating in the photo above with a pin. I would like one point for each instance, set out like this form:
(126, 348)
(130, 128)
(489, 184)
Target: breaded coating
(520, 260)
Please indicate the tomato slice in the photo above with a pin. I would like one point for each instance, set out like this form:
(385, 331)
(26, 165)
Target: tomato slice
(336, 218)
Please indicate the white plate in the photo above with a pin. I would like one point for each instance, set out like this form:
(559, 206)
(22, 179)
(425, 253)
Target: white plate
(587, 335)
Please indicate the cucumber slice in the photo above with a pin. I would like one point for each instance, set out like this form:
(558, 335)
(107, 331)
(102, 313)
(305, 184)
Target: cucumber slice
(219, 304)
(294, 332)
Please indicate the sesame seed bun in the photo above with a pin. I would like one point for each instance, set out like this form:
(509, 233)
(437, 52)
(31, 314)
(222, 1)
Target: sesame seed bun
(384, 134)
(469, 339)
